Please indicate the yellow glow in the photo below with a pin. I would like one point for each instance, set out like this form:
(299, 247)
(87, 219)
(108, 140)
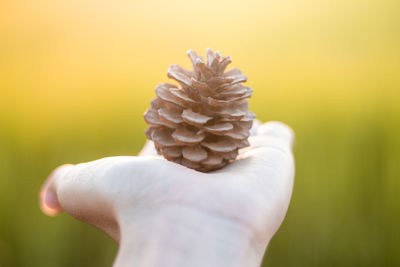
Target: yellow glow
(65, 59)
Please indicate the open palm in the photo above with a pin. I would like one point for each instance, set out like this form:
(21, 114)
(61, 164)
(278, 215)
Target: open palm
(117, 193)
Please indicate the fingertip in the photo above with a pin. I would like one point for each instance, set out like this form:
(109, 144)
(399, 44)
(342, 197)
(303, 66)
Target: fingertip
(278, 130)
(50, 199)
(49, 203)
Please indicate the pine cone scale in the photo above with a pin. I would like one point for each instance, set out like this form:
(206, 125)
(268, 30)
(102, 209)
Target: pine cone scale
(183, 136)
(163, 92)
(222, 146)
(193, 118)
(219, 129)
(194, 153)
(182, 96)
(170, 116)
(162, 137)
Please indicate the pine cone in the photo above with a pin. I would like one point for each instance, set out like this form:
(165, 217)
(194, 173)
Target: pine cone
(202, 122)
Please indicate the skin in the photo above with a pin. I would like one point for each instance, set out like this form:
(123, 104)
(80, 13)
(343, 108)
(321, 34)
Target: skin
(164, 214)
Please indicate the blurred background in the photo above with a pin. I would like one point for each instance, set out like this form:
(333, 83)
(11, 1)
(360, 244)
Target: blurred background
(77, 76)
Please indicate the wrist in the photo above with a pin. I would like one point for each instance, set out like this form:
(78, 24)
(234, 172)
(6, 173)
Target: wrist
(185, 236)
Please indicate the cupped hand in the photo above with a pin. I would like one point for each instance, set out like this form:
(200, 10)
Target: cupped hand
(149, 199)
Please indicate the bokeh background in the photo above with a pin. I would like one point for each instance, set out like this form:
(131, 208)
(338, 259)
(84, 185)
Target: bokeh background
(76, 77)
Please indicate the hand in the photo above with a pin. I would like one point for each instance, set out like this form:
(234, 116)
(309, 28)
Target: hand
(164, 214)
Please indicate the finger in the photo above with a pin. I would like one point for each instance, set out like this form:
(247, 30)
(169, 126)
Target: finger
(49, 203)
(253, 132)
(149, 150)
(77, 189)
(278, 130)
(273, 139)
(268, 168)
(269, 158)
(84, 192)
(273, 134)
(256, 123)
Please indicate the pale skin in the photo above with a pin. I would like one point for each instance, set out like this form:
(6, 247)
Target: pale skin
(164, 214)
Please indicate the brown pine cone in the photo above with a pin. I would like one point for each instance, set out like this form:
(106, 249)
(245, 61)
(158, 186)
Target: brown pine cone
(202, 122)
